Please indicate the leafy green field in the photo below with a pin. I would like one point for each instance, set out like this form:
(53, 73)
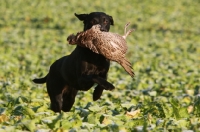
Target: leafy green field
(164, 51)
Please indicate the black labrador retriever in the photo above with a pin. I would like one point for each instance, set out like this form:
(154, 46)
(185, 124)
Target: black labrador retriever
(80, 70)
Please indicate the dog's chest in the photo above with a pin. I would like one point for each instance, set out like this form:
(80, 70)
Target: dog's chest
(95, 65)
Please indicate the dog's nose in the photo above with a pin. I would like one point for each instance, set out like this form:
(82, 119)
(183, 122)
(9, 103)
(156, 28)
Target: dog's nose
(103, 29)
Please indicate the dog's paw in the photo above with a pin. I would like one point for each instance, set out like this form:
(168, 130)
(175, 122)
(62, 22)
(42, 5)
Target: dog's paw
(108, 86)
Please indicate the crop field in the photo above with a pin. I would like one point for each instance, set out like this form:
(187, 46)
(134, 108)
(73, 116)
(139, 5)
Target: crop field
(164, 50)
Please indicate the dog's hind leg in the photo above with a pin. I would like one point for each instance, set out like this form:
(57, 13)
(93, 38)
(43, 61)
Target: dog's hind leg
(69, 95)
(56, 103)
(55, 88)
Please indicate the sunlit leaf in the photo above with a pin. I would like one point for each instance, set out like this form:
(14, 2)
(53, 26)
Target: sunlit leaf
(28, 111)
(182, 123)
(91, 118)
(95, 108)
(29, 124)
(175, 107)
(133, 114)
(3, 118)
(135, 122)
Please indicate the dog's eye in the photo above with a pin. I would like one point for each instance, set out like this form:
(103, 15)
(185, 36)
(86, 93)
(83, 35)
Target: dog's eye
(94, 22)
(106, 21)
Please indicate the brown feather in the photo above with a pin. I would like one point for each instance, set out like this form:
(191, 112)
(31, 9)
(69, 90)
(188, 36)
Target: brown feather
(111, 45)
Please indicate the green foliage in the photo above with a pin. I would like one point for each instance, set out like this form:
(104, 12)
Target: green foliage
(164, 51)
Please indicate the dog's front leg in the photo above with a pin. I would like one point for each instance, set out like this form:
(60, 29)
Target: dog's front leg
(87, 81)
(97, 92)
(103, 83)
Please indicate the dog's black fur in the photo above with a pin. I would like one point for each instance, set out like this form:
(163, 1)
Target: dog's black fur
(80, 70)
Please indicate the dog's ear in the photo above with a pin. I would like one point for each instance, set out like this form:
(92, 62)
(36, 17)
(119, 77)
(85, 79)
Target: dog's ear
(111, 20)
(81, 17)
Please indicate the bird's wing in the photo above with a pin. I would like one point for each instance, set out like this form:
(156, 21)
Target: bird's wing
(87, 39)
(117, 42)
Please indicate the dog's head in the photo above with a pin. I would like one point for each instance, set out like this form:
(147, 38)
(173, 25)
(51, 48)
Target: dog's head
(96, 18)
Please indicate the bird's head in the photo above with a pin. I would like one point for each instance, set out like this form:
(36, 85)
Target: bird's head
(96, 27)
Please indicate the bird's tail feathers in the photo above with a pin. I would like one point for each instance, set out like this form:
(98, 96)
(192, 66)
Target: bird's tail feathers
(128, 67)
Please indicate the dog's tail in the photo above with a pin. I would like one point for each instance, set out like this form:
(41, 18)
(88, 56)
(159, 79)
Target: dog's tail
(40, 80)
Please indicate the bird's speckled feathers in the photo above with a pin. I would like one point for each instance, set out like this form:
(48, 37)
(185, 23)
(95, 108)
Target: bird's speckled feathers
(111, 45)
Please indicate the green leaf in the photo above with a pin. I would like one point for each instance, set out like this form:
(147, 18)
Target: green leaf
(168, 110)
(92, 118)
(95, 108)
(182, 124)
(53, 122)
(29, 112)
(29, 124)
(197, 106)
(135, 122)
(184, 112)
(126, 105)
(175, 107)
(152, 93)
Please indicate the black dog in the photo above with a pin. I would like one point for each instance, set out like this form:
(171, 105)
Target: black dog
(80, 70)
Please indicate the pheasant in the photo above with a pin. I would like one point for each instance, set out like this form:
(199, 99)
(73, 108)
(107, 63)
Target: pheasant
(111, 45)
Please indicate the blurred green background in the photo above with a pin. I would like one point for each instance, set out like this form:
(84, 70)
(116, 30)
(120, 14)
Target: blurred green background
(164, 51)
